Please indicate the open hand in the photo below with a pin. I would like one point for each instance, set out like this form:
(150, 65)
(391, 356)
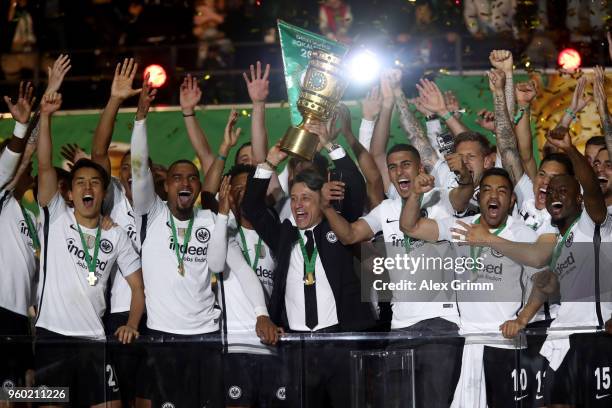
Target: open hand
(431, 97)
(190, 94)
(372, 104)
(473, 234)
(123, 79)
(258, 85)
(22, 109)
(231, 133)
(57, 72)
(225, 198)
(579, 99)
(147, 95)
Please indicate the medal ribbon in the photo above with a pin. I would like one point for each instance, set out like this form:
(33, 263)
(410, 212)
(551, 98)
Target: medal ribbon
(245, 249)
(31, 228)
(475, 253)
(559, 246)
(309, 263)
(177, 247)
(91, 261)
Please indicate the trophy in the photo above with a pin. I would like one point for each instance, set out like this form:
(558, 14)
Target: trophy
(322, 89)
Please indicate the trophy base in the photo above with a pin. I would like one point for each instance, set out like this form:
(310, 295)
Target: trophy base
(300, 143)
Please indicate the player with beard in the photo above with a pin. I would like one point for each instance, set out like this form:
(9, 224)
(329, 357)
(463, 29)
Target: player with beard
(496, 201)
(17, 250)
(603, 168)
(180, 301)
(77, 257)
(435, 381)
(575, 365)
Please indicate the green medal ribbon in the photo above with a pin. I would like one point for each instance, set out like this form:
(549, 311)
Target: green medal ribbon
(177, 247)
(559, 246)
(475, 253)
(309, 263)
(31, 229)
(245, 250)
(407, 239)
(91, 261)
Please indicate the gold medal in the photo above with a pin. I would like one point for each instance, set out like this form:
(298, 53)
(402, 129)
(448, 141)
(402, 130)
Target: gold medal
(37, 253)
(181, 269)
(309, 279)
(213, 279)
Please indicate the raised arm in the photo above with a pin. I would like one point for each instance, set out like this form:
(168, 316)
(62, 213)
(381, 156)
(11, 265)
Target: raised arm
(594, 202)
(57, 72)
(371, 106)
(258, 88)
(215, 172)
(190, 95)
(431, 98)
(601, 99)
(507, 146)
(143, 186)
(525, 93)
(121, 89)
(503, 61)
(218, 239)
(411, 222)
(20, 111)
(579, 101)
(380, 138)
(47, 177)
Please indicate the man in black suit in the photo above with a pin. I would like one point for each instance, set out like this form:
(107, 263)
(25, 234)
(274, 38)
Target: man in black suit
(315, 286)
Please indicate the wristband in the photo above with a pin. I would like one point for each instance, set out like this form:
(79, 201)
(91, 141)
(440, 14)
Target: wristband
(272, 166)
(519, 115)
(221, 157)
(571, 113)
(188, 115)
(447, 116)
(331, 147)
(20, 130)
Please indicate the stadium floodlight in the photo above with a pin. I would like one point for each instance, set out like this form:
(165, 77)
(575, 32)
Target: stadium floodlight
(569, 59)
(157, 76)
(364, 67)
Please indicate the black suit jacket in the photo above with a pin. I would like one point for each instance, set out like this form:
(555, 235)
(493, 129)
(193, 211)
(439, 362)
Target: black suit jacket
(336, 258)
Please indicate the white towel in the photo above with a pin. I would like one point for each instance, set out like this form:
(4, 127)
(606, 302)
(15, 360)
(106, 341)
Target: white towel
(555, 350)
(471, 390)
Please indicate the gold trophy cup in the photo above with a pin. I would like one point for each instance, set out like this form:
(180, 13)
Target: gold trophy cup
(323, 87)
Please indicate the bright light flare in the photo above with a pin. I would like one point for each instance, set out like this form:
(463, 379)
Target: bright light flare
(364, 67)
(157, 74)
(569, 59)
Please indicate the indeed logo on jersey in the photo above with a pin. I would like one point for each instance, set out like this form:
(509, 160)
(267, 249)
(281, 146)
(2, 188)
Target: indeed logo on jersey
(131, 232)
(188, 249)
(79, 253)
(23, 229)
(566, 266)
(264, 273)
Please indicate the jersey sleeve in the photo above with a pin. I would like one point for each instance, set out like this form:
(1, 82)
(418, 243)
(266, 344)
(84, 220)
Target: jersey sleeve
(374, 218)
(127, 257)
(56, 207)
(442, 173)
(218, 245)
(9, 160)
(144, 197)
(523, 190)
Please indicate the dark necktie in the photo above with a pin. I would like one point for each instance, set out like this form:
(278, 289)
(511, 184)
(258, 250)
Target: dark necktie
(310, 291)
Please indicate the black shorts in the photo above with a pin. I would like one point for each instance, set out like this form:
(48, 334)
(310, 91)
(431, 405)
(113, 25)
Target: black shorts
(536, 364)
(437, 363)
(182, 371)
(584, 378)
(252, 380)
(79, 364)
(509, 379)
(15, 348)
(126, 358)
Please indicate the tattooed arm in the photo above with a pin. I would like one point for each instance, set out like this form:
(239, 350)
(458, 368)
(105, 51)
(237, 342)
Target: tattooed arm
(504, 131)
(414, 131)
(502, 60)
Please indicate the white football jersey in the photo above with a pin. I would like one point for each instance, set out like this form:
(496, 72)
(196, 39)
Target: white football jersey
(179, 304)
(68, 304)
(17, 259)
(385, 217)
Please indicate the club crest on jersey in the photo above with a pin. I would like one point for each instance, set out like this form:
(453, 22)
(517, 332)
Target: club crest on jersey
(331, 237)
(106, 246)
(75, 249)
(202, 235)
(570, 240)
(281, 394)
(234, 392)
(496, 253)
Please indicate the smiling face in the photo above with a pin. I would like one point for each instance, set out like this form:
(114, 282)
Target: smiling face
(305, 206)
(496, 199)
(591, 151)
(548, 170)
(87, 192)
(182, 187)
(475, 159)
(563, 199)
(403, 167)
(603, 168)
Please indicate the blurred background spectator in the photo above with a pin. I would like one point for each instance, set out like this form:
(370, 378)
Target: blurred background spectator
(335, 19)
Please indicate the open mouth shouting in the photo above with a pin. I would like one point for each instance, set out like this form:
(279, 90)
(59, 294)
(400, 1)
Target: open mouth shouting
(493, 208)
(185, 198)
(404, 184)
(603, 182)
(300, 216)
(88, 201)
(555, 208)
(541, 196)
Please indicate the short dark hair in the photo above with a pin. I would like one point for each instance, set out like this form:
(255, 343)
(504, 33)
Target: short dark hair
(63, 175)
(471, 136)
(238, 169)
(184, 161)
(404, 147)
(497, 171)
(311, 178)
(245, 144)
(319, 163)
(561, 158)
(596, 141)
(89, 164)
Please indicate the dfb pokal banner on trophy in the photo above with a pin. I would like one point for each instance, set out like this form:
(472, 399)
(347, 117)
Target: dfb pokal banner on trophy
(296, 44)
